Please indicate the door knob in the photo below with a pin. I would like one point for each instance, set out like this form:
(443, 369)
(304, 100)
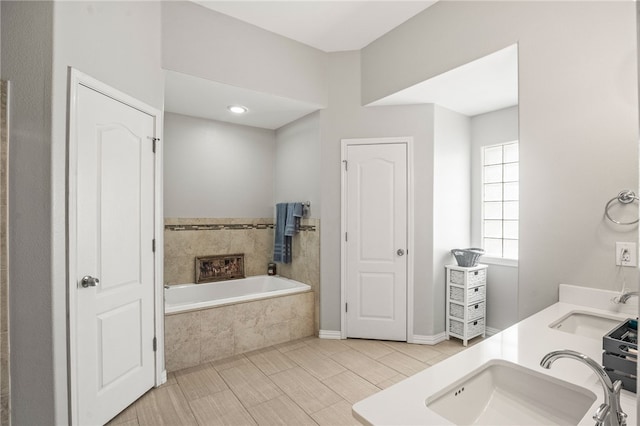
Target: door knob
(400, 252)
(89, 281)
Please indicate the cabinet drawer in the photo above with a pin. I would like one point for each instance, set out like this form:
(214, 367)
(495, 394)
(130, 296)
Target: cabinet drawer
(476, 294)
(473, 311)
(474, 327)
(477, 277)
(473, 277)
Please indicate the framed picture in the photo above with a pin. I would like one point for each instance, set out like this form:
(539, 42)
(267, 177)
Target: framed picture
(219, 268)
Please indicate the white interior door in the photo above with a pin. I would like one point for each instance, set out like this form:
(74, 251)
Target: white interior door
(114, 221)
(376, 241)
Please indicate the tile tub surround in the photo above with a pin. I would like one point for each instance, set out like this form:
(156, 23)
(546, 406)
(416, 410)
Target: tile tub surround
(305, 265)
(196, 337)
(182, 247)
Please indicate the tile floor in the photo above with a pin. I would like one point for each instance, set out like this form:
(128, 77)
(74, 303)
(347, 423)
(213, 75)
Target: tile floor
(305, 382)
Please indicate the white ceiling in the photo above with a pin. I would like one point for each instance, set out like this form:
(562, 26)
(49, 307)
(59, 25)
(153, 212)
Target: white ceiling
(486, 84)
(329, 25)
(197, 97)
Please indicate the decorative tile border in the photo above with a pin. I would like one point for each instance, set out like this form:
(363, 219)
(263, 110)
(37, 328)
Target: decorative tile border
(230, 226)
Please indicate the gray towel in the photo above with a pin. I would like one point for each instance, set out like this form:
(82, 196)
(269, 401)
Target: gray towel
(280, 241)
(287, 225)
(294, 214)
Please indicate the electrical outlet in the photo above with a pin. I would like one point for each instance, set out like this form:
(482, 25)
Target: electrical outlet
(626, 254)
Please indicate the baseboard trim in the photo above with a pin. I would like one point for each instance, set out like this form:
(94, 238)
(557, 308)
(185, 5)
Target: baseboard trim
(163, 377)
(428, 340)
(491, 331)
(330, 334)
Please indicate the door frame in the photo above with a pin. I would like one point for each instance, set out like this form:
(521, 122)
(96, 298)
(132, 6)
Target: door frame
(345, 143)
(75, 80)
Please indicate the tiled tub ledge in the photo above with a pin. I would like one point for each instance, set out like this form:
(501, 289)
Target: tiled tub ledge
(196, 337)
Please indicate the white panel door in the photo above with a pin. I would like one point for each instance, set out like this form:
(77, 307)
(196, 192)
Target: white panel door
(115, 227)
(376, 225)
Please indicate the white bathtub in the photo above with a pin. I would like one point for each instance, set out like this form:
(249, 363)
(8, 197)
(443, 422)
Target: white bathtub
(186, 297)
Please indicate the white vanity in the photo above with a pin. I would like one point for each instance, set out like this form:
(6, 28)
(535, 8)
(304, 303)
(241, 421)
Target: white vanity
(507, 365)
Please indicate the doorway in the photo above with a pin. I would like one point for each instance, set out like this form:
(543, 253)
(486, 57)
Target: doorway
(113, 277)
(377, 245)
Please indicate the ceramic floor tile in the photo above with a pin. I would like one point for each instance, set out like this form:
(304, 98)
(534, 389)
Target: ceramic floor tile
(280, 411)
(231, 362)
(442, 357)
(284, 384)
(292, 345)
(315, 363)
(200, 381)
(250, 385)
(403, 363)
(453, 346)
(271, 361)
(365, 367)
(126, 417)
(337, 415)
(327, 346)
(164, 406)
(171, 379)
(422, 353)
(392, 381)
(350, 386)
(372, 348)
(132, 422)
(222, 408)
(305, 390)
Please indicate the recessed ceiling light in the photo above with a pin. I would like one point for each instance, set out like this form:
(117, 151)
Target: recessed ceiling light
(237, 109)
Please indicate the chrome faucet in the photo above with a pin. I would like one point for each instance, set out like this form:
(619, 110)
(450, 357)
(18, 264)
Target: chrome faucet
(625, 296)
(610, 412)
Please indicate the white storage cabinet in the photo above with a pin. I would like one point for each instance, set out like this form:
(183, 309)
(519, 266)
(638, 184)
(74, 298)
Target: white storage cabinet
(466, 301)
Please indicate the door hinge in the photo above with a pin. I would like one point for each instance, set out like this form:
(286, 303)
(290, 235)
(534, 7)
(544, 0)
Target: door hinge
(346, 165)
(153, 141)
(155, 344)
(345, 237)
(346, 307)
(153, 245)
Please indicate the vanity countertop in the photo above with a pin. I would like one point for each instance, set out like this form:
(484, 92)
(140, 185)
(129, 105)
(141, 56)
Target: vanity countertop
(524, 343)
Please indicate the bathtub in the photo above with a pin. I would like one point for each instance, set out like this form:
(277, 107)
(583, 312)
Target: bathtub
(187, 297)
(209, 322)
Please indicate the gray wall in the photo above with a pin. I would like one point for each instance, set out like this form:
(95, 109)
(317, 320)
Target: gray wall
(207, 44)
(451, 200)
(217, 170)
(118, 43)
(27, 29)
(502, 280)
(297, 169)
(578, 120)
(346, 118)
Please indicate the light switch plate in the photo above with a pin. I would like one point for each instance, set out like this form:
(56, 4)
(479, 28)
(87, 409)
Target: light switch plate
(626, 254)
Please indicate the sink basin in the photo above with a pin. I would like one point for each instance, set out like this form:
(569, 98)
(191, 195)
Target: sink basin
(503, 393)
(586, 324)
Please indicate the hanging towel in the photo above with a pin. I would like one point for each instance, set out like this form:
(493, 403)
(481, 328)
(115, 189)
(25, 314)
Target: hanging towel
(287, 225)
(279, 244)
(294, 214)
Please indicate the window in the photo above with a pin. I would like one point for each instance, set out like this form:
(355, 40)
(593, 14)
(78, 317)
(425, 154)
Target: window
(500, 195)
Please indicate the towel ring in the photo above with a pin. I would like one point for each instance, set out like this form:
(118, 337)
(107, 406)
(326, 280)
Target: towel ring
(624, 197)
